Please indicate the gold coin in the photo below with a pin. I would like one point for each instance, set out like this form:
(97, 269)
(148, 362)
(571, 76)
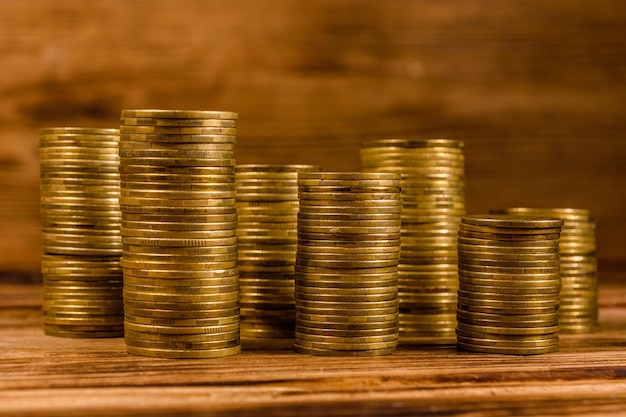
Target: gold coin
(183, 353)
(348, 176)
(342, 303)
(344, 346)
(360, 183)
(170, 203)
(507, 309)
(511, 284)
(504, 221)
(180, 290)
(508, 257)
(177, 122)
(167, 139)
(333, 208)
(513, 239)
(498, 263)
(508, 332)
(521, 250)
(183, 345)
(187, 330)
(204, 338)
(177, 130)
(179, 114)
(550, 304)
(535, 342)
(331, 352)
(514, 300)
(508, 350)
(427, 144)
(342, 333)
(137, 228)
(564, 213)
(178, 251)
(125, 154)
(350, 311)
(79, 139)
(514, 319)
(177, 188)
(151, 169)
(347, 263)
(182, 322)
(348, 340)
(164, 265)
(507, 289)
(168, 146)
(181, 162)
(77, 131)
(82, 334)
(390, 325)
(177, 180)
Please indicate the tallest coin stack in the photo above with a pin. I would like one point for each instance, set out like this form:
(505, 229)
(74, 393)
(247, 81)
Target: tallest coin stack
(181, 281)
(433, 201)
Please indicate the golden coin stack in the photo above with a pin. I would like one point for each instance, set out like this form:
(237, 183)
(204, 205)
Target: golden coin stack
(509, 284)
(433, 194)
(347, 263)
(82, 245)
(578, 312)
(181, 291)
(267, 206)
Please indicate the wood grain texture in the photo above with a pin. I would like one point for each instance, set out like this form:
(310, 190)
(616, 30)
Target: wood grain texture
(49, 376)
(535, 88)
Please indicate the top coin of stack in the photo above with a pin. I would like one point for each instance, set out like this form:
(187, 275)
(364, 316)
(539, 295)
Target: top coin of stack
(267, 208)
(80, 216)
(346, 263)
(181, 291)
(579, 284)
(433, 199)
(508, 284)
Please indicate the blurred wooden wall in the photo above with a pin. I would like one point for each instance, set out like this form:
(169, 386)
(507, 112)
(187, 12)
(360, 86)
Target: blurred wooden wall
(536, 88)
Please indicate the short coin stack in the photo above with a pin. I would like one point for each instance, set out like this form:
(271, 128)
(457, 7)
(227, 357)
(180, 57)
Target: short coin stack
(346, 263)
(578, 312)
(181, 292)
(267, 206)
(508, 284)
(433, 194)
(82, 245)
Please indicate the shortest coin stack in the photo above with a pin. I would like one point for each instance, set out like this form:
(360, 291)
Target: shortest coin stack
(347, 263)
(509, 284)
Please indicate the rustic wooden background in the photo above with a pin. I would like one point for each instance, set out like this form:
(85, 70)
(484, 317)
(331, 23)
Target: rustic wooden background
(537, 89)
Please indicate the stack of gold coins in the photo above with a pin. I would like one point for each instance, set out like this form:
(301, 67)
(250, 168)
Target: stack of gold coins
(346, 263)
(433, 194)
(267, 206)
(181, 291)
(579, 283)
(80, 214)
(508, 284)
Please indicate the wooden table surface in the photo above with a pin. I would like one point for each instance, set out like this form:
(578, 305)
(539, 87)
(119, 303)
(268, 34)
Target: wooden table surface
(49, 376)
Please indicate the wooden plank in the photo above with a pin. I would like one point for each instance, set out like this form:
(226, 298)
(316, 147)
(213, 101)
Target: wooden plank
(535, 88)
(42, 375)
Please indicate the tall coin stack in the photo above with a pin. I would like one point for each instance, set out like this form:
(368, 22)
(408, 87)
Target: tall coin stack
(181, 291)
(347, 263)
(508, 284)
(82, 245)
(267, 206)
(578, 312)
(433, 194)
